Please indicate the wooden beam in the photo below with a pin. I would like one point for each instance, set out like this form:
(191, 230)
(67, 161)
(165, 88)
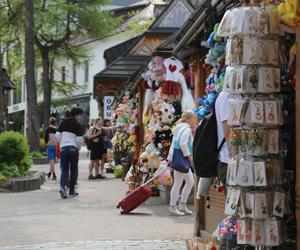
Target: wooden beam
(298, 135)
(200, 77)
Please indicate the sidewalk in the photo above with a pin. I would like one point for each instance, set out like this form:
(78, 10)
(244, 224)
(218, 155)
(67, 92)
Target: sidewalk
(41, 217)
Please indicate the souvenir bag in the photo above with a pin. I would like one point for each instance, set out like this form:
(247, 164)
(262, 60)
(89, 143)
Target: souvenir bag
(268, 80)
(258, 233)
(244, 235)
(263, 52)
(256, 112)
(261, 206)
(255, 142)
(244, 176)
(272, 232)
(249, 50)
(234, 51)
(237, 16)
(236, 108)
(263, 21)
(232, 200)
(274, 22)
(251, 79)
(249, 204)
(241, 206)
(271, 112)
(273, 141)
(279, 204)
(225, 25)
(250, 21)
(240, 79)
(260, 178)
(229, 79)
(180, 163)
(231, 172)
(272, 47)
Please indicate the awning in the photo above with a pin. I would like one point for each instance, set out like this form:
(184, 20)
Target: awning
(115, 52)
(123, 68)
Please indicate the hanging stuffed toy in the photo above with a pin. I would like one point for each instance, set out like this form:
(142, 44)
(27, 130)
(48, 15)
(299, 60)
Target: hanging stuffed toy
(187, 100)
(171, 86)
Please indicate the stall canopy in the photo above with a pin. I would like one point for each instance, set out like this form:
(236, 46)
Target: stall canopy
(123, 68)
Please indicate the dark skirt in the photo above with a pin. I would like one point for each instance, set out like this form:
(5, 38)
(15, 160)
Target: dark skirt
(97, 150)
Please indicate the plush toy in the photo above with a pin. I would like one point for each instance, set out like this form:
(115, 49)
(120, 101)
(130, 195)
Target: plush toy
(290, 12)
(228, 226)
(187, 101)
(207, 104)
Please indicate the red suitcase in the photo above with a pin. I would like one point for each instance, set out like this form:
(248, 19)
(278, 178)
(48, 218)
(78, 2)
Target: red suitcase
(135, 198)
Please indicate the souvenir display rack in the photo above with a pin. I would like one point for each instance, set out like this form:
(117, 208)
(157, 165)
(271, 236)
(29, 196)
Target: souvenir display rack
(255, 193)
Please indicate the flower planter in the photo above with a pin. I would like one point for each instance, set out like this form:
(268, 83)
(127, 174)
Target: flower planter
(32, 181)
(40, 160)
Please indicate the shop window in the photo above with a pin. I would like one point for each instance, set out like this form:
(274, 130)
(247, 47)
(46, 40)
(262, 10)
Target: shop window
(86, 71)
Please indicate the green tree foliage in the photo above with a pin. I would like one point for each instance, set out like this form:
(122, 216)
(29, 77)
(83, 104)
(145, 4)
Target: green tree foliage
(61, 25)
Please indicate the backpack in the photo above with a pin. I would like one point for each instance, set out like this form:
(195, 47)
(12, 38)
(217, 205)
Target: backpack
(88, 142)
(205, 147)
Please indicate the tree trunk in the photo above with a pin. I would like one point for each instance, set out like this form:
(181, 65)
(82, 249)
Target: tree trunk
(2, 108)
(47, 86)
(32, 128)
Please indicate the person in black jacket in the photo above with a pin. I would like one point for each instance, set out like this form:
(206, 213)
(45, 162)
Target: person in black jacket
(69, 135)
(51, 142)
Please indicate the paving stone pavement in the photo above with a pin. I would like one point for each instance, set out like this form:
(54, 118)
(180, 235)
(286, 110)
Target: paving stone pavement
(41, 219)
(106, 244)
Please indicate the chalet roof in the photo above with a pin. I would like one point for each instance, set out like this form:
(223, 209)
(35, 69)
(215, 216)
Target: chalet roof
(114, 52)
(123, 68)
(204, 17)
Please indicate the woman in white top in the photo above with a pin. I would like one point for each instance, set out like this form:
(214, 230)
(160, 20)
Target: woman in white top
(183, 133)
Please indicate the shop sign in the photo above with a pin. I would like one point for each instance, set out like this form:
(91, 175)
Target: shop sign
(60, 109)
(16, 107)
(108, 111)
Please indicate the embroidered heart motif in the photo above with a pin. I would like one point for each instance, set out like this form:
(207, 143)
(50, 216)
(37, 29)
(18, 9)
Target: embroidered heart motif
(172, 68)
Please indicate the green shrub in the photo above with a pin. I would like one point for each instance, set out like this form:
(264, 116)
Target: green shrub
(2, 177)
(9, 170)
(14, 153)
(36, 154)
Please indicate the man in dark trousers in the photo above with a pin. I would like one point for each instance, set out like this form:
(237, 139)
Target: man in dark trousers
(69, 135)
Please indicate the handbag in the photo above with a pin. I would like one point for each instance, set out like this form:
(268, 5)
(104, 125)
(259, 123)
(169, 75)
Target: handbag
(180, 162)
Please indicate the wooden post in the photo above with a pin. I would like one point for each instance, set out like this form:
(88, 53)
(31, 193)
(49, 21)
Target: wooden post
(200, 76)
(298, 135)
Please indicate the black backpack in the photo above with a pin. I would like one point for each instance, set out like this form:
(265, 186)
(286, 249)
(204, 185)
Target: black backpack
(205, 147)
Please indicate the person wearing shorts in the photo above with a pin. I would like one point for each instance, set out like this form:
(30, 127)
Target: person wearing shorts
(96, 134)
(51, 142)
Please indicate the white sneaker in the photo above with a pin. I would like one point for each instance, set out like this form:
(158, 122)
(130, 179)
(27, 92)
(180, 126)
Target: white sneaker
(175, 212)
(183, 209)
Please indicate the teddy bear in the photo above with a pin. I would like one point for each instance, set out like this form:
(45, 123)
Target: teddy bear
(207, 104)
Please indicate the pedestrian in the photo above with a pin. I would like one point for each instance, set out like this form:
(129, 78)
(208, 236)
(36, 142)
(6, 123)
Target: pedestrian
(108, 135)
(96, 136)
(69, 135)
(182, 143)
(222, 114)
(51, 142)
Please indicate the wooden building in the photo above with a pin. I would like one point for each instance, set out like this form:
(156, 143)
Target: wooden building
(125, 72)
